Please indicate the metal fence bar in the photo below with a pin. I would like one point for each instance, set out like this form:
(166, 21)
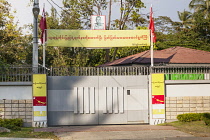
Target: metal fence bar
(104, 71)
(24, 74)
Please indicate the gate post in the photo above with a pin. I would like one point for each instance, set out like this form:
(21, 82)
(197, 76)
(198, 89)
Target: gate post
(39, 100)
(157, 100)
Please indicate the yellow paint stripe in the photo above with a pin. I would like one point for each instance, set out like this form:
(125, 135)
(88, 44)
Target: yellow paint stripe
(158, 111)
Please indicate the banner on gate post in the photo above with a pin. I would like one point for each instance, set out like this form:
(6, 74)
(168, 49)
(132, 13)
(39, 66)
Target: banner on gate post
(158, 96)
(40, 100)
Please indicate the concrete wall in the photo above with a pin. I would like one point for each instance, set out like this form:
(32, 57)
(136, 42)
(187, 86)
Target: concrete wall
(188, 90)
(186, 96)
(11, 109)
(15, 90)
(16, 101)
(181, 105)
(181, 88)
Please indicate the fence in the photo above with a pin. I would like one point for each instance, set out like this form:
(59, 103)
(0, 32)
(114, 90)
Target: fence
(180, 70)
(18, 73)
(102, 71)
(24, 74)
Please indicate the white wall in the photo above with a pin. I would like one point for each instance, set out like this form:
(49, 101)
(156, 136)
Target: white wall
(180, 90)
(15, 92)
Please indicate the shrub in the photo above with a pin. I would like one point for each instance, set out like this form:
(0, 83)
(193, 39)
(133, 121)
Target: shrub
(188, 117)
(206, 115)
(17, 122)
(13, 124)
(206, 118)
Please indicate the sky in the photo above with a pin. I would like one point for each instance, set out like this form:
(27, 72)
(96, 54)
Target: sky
(160, 8)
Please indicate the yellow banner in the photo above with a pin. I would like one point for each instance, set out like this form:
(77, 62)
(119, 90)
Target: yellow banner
(98, 38)
(39, 85)
(158, 85)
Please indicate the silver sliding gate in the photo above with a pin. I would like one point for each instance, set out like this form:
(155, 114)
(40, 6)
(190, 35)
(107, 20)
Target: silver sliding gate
(87, 100)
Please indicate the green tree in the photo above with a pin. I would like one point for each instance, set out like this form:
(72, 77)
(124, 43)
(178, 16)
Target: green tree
(201, 19)
(14, 47)
(202, 27)
(186, 18)
(54, 55)
(202, 6)
(77, 13)
(7, 27)
(171, 34)
(130, 18)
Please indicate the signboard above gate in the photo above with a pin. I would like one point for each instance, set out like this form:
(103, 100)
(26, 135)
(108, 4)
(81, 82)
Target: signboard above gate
(98, 38)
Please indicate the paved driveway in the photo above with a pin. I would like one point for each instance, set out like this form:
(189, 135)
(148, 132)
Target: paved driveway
(141, 132)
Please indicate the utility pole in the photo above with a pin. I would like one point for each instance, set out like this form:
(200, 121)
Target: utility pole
(35, 36)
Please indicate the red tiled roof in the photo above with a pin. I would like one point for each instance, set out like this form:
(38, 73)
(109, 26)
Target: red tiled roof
(175, 55)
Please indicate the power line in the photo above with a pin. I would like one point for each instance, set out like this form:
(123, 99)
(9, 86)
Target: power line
(57, 5)
(54, 8)
(60, 7)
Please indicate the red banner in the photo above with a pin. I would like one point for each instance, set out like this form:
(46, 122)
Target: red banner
(158, 99)
(39, 101)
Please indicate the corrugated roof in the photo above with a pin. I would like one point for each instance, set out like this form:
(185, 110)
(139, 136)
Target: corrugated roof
(174, 55)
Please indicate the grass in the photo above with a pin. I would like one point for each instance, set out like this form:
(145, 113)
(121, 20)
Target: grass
(27, 132)
(196, 128)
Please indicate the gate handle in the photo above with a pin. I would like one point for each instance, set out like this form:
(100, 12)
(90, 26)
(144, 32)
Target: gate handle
(128, 92)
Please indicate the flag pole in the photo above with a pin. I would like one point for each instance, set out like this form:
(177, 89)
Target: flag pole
(44, 48)
(151, 49)
(151, 42)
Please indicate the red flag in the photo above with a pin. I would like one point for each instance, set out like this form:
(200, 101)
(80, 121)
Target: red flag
(152, 27)
(43, 26)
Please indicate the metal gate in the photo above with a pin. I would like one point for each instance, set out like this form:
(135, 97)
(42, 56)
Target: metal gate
(87, 100)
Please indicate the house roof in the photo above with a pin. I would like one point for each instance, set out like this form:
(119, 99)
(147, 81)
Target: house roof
(174, 55)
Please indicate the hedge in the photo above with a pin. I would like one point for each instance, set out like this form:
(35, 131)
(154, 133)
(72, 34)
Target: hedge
(189, 117)
(14, 124)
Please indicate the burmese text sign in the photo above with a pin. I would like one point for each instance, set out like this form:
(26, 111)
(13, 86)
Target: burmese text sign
(98, 38)
(40, 98)
(158, 96)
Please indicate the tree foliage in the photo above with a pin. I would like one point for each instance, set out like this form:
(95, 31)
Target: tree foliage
(130, 16)
(201, 6)
(186, 18)
(192, 31)
(8, 30)
(14, 47)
